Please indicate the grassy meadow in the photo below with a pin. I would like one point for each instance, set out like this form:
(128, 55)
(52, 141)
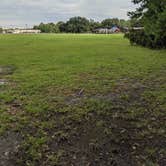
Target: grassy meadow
(81, 100)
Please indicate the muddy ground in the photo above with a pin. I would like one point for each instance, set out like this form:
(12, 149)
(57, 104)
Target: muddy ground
(122, 127)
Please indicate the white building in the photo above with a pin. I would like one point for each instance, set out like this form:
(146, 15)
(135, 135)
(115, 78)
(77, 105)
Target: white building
(22, 31)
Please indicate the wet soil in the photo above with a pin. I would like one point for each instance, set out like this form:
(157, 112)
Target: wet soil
(123, 127)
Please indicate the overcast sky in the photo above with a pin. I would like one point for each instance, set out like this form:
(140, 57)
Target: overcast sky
(21, 12)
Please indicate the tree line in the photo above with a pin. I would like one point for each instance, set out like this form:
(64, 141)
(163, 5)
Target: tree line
(81, 25)
(151, 15)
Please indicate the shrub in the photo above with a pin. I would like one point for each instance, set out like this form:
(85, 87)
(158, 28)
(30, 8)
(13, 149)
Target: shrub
(140, 37)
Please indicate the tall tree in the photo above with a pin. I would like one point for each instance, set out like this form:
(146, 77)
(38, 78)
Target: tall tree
(62, 26)
(94, 25)
(77, 25)
(152, 14)
(110, 22)
(47, 28)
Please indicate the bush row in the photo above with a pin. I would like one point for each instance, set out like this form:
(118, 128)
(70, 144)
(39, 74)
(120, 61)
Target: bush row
(140, 37)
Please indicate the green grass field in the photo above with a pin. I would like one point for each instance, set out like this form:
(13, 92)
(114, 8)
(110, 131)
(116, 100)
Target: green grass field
(81, 100)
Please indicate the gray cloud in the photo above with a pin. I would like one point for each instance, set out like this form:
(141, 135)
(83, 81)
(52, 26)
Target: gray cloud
(21, 12)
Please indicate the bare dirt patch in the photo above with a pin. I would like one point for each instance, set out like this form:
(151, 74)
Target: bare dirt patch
(121, 127)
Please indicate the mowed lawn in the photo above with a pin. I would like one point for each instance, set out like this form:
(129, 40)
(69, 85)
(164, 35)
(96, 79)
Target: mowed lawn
(81, 100)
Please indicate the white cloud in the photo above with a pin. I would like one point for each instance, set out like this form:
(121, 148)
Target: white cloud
(21, 12)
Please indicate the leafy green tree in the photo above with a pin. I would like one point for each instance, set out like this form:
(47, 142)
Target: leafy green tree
(124, 23)
(47, 28)
(94, 25)
(110, 22)
(152, 14)
(77, 25)
(61, 26)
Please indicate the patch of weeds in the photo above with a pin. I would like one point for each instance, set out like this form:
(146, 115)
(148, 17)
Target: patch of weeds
(101, 129)
(6, 97)
(32, 150)
(41, 106)
(60, 136)
(55, 158)
(6, 121)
